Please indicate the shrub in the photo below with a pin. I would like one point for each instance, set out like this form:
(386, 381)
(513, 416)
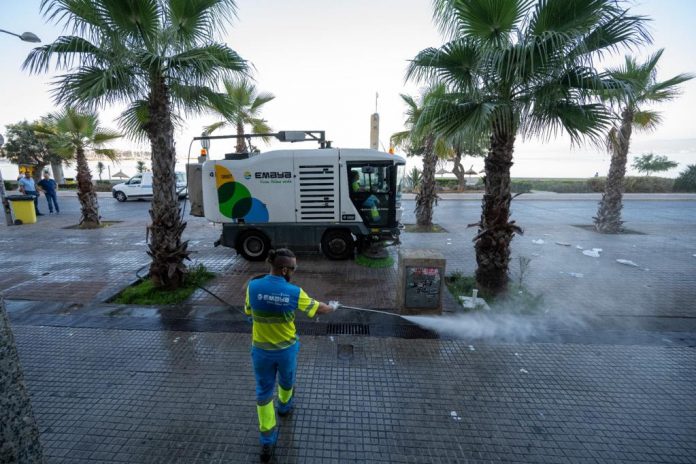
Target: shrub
(686, 182)
(648, 184)
(521, 186)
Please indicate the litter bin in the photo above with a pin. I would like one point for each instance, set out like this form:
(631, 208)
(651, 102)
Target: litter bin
(23, 208)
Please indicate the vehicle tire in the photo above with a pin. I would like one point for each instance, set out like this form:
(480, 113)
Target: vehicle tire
(337, 244)
(120, 196)
(253, 245)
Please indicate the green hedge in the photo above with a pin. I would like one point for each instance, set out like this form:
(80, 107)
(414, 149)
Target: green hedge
(10, 185)
(643, 184)
(686, 182)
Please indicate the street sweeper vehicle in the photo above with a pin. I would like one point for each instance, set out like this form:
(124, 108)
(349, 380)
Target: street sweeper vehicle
(332, 199)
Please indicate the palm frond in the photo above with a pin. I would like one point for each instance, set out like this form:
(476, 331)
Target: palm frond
(66, 50)
(455, 63)
(139, 18)
(134, 120)
(108, 153)
(93, 86)
(196, 20)
(646, 120)
(213, 127)
(579, 121)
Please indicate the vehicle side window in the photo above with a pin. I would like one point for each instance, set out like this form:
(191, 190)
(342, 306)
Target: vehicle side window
(136, 180)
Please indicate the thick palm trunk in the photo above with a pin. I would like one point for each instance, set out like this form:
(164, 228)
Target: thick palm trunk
(608, 219)
(167, 250)
(19, 435)
(458, 170)
(427, 197)
(495, 229)
(57, 169)
(86, 193)
(241, 144)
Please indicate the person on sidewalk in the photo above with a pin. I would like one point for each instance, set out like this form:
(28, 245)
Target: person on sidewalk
(271, 301)
(49, 187)
(27, 186)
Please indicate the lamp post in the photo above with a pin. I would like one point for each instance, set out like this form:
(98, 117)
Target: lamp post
(3, 197)
(205, 147)
(25, 36)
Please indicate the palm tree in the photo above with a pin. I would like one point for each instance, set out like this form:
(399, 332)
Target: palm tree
(140, 167)
(640, 88)
(420, 139)
(100, 169)
(20, 433)
(240, 105)
(519, 68)
(70, 133)
(161, 58)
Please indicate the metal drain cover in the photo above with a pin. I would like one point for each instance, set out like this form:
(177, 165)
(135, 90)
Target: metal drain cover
(347, 329)
(345, 352)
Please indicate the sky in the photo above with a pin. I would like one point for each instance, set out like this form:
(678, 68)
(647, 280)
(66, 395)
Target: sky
(325, 61)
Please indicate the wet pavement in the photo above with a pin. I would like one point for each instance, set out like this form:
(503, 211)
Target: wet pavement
(605, 375)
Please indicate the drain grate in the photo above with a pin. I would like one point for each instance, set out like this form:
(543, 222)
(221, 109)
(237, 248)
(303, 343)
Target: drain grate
(347, 329)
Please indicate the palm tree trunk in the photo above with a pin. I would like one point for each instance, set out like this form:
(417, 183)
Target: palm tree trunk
(427, 196)
(167, 250)
(608, 219)
(495, 230)
(458, 170)
(57, 169)
(19, 435)
(241, 144)
(86, 193)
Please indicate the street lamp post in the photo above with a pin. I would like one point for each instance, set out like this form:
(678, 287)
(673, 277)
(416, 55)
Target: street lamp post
(3, 196)
(25, 36)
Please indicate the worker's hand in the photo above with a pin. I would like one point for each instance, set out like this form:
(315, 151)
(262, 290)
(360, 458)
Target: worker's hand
(334, 305)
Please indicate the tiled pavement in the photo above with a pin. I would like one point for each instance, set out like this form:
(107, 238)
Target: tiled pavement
(103, 394)
(107, 396)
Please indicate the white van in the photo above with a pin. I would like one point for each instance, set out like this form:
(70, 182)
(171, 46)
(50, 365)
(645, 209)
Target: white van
(140, 186)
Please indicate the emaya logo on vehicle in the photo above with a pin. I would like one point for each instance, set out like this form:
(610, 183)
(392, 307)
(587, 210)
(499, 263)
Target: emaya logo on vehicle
(247, 175)
(273, 175)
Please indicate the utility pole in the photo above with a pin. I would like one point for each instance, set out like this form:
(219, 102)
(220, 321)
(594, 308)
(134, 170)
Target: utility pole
(3, 195)
(374, 127)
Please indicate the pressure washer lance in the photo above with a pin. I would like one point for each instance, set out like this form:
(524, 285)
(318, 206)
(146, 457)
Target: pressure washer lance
(368, 310)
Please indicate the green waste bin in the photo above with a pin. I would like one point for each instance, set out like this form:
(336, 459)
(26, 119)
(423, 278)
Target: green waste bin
(23, 209)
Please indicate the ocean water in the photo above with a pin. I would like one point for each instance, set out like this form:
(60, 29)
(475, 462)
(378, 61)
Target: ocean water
(552, 160)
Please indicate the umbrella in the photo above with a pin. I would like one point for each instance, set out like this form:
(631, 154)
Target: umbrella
(121, 174)
(470, 172)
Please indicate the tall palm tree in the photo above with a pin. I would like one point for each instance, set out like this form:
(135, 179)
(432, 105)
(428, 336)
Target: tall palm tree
(161, 58)
(420, 139)
(101, 167)
(640, 89)
(70, 133)
(240, 106)
(519, 68)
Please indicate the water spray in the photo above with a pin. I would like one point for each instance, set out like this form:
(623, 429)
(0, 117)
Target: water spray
(369, 310)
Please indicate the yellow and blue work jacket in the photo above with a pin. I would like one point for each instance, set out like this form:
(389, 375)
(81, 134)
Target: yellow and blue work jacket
(271, 302)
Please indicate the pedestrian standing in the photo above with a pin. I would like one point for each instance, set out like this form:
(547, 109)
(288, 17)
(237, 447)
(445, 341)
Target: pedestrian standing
(28, 187)
(49, 188)
(271, 301)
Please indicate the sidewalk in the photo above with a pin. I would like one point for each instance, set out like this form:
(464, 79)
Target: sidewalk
(116, 396)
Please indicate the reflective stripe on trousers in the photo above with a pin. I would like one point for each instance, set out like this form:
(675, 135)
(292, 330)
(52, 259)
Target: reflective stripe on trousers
(267, 365)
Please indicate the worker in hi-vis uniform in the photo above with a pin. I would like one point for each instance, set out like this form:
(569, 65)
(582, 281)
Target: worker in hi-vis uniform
(271, 301)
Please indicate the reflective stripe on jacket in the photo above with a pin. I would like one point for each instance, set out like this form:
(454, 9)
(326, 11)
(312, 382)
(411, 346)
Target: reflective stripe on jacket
(271, 302)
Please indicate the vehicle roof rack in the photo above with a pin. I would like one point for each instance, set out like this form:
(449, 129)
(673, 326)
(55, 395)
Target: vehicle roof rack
(282, 136)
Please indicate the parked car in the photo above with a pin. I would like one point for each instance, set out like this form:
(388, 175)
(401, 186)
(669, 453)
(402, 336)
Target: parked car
(140, 187)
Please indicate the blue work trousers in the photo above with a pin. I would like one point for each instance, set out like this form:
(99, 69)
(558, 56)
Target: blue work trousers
(269, 364)
(52, 200)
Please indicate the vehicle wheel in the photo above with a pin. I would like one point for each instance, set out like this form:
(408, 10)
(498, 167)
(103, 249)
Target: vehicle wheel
(253, 245)
(337, 244)
(120, 196)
